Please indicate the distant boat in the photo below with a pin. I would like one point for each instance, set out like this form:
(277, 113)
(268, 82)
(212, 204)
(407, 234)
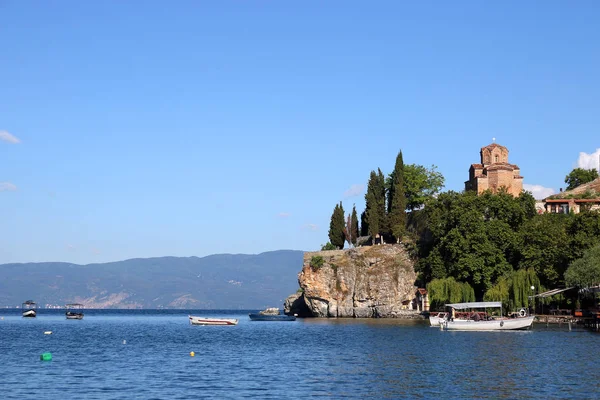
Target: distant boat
(29, 308)
(74, 311)
(523, 321)
(271, 314)
(212, 321)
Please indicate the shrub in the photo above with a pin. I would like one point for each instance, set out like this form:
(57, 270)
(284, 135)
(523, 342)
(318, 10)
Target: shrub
(328, 246)
(316, 262)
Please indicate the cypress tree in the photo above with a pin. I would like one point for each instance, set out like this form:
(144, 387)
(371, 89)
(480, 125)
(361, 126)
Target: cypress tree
(364, 225)
(336, 227)
(372, 209)
(380, 196)
(397, 209)
(354, 225)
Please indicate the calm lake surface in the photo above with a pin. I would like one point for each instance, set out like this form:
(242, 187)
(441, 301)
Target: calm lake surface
(119, 354)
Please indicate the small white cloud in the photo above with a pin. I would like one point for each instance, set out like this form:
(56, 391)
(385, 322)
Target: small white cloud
(283, 215)
(7, 187)
(589, 161)
(70, 246)
(310, 227)
(539, 191)
(7, 137)
(354, 190)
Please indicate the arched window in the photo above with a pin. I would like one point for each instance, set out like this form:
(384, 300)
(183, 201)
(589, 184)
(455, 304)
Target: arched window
(496, 158)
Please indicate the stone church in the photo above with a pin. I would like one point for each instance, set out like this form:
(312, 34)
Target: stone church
(494, 172)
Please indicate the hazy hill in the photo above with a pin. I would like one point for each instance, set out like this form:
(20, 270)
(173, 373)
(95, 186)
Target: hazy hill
(222, 281)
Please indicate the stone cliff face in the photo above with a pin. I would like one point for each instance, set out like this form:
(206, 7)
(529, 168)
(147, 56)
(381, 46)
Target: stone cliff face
(365, 282)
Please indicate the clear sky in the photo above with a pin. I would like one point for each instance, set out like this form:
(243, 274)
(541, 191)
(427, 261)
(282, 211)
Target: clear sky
(139, 129)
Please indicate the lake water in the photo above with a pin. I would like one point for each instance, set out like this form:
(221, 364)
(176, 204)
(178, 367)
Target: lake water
(122, 354)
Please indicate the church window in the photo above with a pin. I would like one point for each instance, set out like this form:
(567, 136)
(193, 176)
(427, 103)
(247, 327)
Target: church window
(496, 158)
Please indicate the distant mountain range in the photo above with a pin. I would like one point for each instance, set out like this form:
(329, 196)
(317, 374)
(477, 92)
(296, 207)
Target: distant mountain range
(220, 281)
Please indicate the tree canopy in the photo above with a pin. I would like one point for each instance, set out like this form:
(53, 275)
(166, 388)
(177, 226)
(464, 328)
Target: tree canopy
(585, 271)
(337, 227)
(421, 184)
(579, 176)
(482, 239)
(397, 200)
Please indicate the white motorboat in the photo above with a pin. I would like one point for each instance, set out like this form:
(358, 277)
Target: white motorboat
(29, 309)
(437, 319)
(74, 311)
(212, 321)
(519, 322)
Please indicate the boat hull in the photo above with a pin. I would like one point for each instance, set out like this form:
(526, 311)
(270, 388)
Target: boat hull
(439, 318)
(71, 315)
(509, 324)
(265, 317)
(212, 321)
(29, 314)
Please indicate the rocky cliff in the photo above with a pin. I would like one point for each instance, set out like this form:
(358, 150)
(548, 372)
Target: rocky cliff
(364, 282)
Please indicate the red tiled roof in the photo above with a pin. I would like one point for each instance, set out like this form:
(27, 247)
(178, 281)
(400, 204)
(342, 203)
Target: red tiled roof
(503, 166)
(493, 146)
(477, 166)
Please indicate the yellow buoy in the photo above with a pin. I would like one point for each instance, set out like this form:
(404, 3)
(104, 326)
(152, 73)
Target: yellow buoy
(192, 354)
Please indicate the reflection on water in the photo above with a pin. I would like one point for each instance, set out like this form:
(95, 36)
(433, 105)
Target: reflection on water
(343, 358)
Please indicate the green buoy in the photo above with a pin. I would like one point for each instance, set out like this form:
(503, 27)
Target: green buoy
(46, 357)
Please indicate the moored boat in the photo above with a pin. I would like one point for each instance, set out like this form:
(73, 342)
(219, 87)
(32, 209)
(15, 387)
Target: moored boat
(74, 311)
(438, 318)
(212, 321)
(477, 323)
(29, 309)
(271, 314)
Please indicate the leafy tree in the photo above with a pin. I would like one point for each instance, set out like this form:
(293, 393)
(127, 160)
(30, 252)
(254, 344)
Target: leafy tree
(579, 176)
(421, 184)
(514, 289)
(471, 238)
(397, 200)
(448, 290)
(544, 246)
(585, 271)
(336, 227)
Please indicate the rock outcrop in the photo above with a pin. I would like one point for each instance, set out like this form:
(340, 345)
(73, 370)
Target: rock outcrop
(364, 282)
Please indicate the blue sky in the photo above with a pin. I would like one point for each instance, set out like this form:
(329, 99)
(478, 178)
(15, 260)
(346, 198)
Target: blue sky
(140, 129)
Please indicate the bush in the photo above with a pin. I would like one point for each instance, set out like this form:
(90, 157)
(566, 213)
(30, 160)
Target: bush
(316, 262)
(328, 246)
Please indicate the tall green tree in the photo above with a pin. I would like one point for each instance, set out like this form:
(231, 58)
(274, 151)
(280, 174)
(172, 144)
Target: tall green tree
(364, 224)
(421, 184)
(579, 176)
(383, 222)
(585, 271)
(337, 227)
(354, 225)
(372, 206)
(397, 200)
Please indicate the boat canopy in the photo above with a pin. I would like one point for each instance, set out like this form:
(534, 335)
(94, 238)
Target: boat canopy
(551, 292)
(476, 304)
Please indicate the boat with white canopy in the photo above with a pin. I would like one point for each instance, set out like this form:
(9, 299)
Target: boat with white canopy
(479, 322)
